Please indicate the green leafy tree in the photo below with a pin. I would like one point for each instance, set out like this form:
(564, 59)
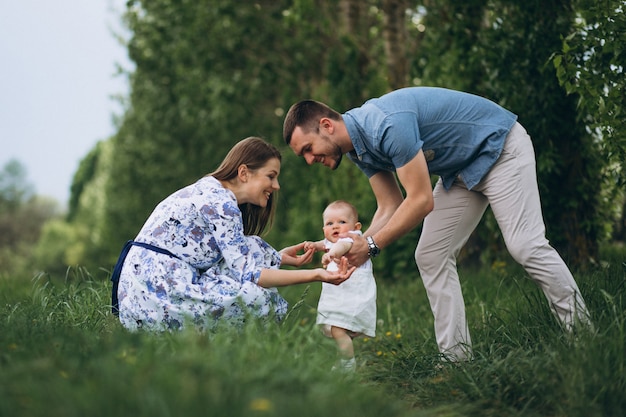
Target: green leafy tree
(15, 189)
(590, 66)
(209, 73)
(501, 49)
(204, 79)
(22, 216)
(77, 239)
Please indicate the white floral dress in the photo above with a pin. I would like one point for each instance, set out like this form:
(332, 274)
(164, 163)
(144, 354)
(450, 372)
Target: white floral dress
(215, 275)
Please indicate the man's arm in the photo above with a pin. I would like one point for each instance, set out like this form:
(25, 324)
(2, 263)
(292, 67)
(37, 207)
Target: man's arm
(388, 199)
(395, 217)
(417, 203)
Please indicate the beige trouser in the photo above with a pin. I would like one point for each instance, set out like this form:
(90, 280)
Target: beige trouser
(511, 189)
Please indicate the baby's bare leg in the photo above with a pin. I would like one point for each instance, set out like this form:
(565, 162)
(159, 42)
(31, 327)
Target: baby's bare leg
(344, 341)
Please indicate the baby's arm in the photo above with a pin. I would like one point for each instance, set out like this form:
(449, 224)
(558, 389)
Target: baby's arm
(318, 246)
(337, 250)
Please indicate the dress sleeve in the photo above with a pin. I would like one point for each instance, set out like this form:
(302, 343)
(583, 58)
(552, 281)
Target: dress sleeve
(243, 256)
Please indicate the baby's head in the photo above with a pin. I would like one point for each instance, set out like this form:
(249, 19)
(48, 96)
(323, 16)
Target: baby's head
(339, 217)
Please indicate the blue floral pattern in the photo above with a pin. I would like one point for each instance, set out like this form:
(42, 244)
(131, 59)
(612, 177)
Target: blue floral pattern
(216, 275)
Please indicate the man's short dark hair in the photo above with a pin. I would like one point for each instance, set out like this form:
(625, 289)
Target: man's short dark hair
(307, 115)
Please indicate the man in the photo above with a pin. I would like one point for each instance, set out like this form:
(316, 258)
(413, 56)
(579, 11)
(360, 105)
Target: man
(483, 157)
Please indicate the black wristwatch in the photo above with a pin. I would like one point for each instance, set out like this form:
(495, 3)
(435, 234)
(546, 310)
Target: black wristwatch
(374, 250)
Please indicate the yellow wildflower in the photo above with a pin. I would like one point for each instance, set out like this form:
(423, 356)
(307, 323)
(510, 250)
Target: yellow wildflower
(261, 404)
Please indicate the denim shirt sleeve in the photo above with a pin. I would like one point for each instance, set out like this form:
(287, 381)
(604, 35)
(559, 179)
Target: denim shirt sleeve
(382, 142)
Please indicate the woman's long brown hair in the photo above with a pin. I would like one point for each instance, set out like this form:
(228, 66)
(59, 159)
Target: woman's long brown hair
(253, 152)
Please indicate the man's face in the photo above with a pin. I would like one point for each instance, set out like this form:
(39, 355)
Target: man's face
(316, 148)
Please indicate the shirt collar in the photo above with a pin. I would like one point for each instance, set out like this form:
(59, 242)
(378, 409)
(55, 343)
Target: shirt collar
(355, 136)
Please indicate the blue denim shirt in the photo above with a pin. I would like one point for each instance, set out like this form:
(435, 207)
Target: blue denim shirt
(461, 134)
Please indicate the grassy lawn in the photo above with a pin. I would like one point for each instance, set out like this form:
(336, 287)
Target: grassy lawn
(63, 354)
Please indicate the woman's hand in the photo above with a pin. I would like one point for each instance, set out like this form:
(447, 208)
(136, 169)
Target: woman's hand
(337, 277)
(290, 255)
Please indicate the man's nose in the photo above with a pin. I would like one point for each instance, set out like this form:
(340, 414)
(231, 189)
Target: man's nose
(309, 158)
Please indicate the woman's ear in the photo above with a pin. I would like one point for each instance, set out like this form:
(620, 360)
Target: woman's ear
(242, 173)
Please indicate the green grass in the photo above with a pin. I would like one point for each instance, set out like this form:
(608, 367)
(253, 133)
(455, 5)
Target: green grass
(63, 354)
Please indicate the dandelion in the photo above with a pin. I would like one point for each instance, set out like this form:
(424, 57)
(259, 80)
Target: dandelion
(365, 339)
(379, 353)
(498, 267)
(128, 357)
(261, 404)
(398, 336)
(388, 334)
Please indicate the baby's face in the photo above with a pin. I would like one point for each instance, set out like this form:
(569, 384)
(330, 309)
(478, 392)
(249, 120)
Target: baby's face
(337, 220)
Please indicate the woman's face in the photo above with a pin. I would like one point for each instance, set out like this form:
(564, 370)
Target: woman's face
(262, 183)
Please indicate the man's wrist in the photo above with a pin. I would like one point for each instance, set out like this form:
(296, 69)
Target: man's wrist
(372, 248)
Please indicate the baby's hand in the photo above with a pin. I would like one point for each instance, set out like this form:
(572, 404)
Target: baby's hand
(339, 275)
(326, 259)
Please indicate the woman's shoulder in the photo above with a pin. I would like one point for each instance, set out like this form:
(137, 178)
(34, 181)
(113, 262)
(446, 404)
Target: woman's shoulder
(206, 185)
(209, 182)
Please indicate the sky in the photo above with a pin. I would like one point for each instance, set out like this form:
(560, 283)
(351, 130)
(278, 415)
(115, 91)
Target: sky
(58, 66)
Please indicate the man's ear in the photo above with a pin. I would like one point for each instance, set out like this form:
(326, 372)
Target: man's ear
(357, 226)
(327, 125)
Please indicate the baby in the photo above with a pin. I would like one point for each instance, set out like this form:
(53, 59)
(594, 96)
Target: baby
(347, 310)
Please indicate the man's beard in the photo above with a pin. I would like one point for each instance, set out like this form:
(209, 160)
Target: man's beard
(337, 154)
(338, 160)
(338, 157)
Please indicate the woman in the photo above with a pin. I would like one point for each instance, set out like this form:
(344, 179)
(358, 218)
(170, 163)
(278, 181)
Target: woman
(198, 257)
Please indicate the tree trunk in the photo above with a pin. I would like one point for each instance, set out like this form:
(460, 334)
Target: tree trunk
(394, 35)
(351, 11)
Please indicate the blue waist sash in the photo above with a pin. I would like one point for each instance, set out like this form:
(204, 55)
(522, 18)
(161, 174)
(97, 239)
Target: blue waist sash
(115, 278)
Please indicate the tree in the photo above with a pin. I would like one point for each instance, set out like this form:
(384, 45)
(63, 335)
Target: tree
(22, 215)
(395, 36)
(14, 186)
(501, 50)
(78, 239)
(209, 73)
(590, 66)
